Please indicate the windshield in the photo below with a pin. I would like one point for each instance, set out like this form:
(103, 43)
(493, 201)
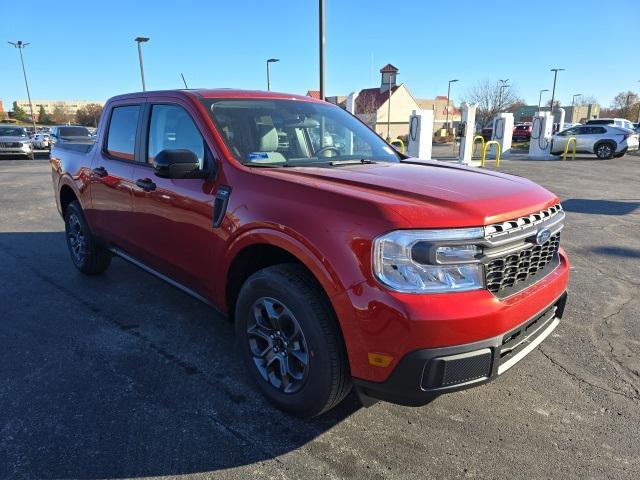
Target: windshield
(12, 132)
(73, 132)
(294, 133)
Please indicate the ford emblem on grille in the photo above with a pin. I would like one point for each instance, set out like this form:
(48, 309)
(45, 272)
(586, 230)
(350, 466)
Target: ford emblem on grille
(543, 236)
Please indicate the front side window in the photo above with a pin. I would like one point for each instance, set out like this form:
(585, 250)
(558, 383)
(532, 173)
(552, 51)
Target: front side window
(294, 133)
(172, 128)
(121, 139)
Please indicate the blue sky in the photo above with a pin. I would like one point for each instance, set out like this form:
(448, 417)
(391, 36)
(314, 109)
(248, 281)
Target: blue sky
(85, 49)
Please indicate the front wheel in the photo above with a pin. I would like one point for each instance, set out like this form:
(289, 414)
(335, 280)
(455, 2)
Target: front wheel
(289, 339)
(86, 255)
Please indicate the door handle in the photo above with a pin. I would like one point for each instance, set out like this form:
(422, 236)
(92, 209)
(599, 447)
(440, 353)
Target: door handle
(100, 172)
(146, 184)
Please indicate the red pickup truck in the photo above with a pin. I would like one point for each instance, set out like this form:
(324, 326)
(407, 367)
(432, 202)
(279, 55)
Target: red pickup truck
(342, 262)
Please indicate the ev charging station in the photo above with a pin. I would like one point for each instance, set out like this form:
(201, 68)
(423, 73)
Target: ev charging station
(466, 132)
(503, 131)
(541, 133)
(562, 117)
(420, 134)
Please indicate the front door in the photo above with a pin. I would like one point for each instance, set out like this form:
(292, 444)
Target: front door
(111, 212)
(175, 234)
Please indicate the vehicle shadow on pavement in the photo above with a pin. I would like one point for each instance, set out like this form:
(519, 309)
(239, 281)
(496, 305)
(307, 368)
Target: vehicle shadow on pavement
(122, 375)
(600, 207)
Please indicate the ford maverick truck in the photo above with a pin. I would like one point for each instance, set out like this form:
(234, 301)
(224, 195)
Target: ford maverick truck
(343, 263)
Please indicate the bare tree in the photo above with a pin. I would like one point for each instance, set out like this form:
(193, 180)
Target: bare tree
(626, 105)
(89, 114)
(59, 115)
(491, 98)
(585, 100)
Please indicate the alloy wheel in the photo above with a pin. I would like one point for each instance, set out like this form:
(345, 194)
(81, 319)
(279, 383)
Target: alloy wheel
(277, 345)
(75, 235)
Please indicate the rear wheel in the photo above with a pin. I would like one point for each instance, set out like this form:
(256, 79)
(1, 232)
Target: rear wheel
(605, 150)
(289, 340)
(86, 255)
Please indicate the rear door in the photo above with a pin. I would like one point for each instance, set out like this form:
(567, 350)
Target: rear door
(111, 213)
(174, 232)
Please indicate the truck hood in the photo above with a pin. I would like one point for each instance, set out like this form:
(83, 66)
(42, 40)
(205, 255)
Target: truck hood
(432, 193)
(15, 139)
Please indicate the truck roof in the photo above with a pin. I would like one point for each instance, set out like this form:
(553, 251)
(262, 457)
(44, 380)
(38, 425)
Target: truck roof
(218, 93)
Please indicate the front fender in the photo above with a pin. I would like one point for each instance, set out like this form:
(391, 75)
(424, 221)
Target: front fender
(296, 245)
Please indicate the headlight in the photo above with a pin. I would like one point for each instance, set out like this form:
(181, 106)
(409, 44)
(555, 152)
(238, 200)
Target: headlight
(429, 261)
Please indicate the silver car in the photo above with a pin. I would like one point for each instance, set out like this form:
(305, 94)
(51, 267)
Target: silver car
(15, 141)
(605, 141)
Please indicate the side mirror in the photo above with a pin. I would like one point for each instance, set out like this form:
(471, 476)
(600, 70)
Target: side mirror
(178, 164)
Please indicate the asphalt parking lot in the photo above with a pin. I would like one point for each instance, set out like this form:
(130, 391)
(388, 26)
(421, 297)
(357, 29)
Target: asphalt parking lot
(124, 376)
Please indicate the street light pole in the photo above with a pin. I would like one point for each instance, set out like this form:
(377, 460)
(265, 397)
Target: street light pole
(20, 45)
(140, 40)
(540, 97)
(446, 123)
(553, 93)
(502, 87)
(321, 32)
(271, 60)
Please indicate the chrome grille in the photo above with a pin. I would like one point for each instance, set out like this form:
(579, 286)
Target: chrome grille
(510, 226)
(10, 145)
(509, 270)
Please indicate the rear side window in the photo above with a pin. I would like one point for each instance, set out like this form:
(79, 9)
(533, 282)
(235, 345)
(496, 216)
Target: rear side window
(121, 138)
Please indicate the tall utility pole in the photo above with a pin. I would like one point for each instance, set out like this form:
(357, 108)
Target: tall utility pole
(271, 60)
(446, 123)
(321, 31)
(553, 92)
(20, 45)
(540, 97)
(140, 40)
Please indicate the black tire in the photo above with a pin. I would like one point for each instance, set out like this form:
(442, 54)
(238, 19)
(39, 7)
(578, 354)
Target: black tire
(605, 150)
(296, 298)
(619, 155)
(86, 255)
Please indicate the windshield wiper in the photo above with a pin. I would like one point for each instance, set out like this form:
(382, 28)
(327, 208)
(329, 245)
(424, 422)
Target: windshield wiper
(264, 165)
(361, 161)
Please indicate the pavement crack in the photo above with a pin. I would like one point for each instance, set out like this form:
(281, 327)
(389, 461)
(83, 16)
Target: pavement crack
(585, 381)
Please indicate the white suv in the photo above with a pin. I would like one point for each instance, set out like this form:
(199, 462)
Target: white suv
(614, 122)
(604, 140)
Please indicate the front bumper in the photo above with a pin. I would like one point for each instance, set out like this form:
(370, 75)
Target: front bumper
(422, 375)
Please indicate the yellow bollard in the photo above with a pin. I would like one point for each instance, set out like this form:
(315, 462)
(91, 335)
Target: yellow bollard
(566, 148)
(484, 152)
(476, 138)
(397, 140)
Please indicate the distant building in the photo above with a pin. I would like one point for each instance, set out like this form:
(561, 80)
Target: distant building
(577, 114)
(439, 107)
(70, 107)
(372, 106)
(3, 114)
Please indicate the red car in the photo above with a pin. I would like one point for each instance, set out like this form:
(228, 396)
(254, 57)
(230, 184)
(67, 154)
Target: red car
(342, 262)
(522, 132)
